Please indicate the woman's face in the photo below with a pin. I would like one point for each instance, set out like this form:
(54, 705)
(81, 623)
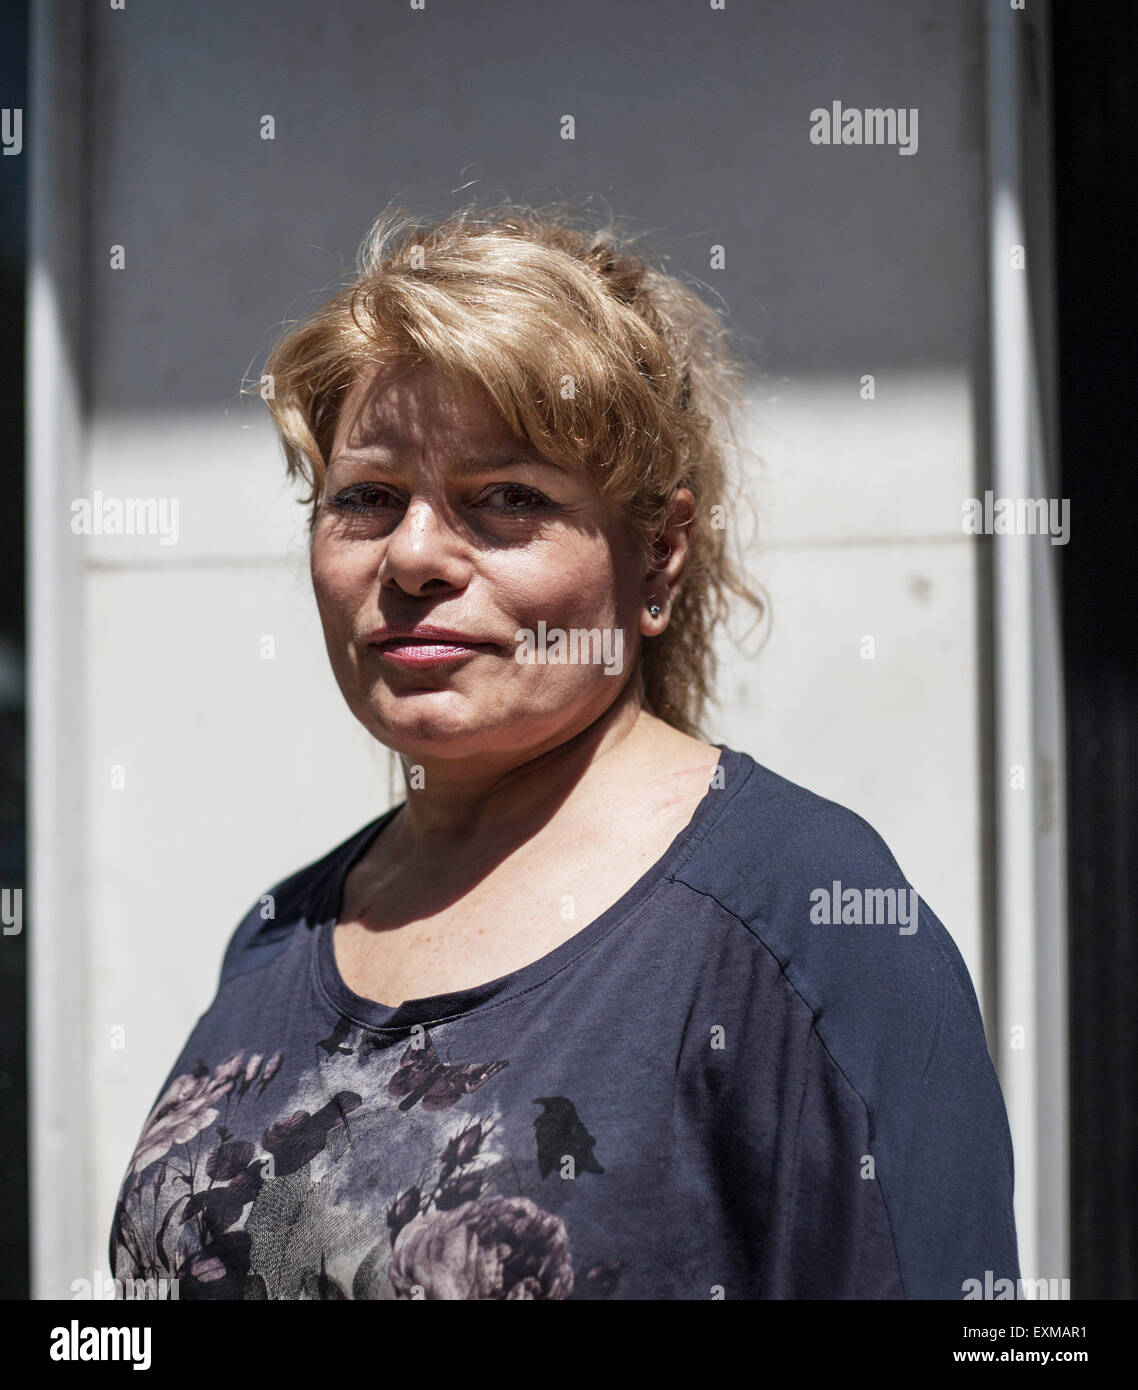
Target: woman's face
(440, 543)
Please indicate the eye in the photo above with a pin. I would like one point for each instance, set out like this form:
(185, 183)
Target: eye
(362, 498)
(514, 497)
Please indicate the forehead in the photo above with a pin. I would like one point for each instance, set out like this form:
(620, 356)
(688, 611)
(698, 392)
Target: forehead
(402, 409)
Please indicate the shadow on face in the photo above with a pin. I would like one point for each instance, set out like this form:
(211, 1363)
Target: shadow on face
(447, 559)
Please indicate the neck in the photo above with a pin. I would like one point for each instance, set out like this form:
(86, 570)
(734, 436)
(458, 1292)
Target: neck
(506, 797)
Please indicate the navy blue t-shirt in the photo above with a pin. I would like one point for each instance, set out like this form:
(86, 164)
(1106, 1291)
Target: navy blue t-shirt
(762, 1073)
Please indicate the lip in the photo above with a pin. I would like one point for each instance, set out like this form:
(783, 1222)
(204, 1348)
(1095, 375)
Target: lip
(425, 645)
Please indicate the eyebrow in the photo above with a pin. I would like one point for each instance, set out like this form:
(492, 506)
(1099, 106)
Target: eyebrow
(467, 464)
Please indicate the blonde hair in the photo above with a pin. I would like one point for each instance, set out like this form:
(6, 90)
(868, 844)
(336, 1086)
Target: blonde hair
(599, 359)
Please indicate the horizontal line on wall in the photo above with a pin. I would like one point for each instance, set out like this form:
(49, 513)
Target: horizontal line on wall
(199, 562)
(829, 542)
(144, 562)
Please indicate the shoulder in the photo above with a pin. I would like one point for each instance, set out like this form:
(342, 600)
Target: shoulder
(818, 887)
(299, 900)
(791, 829)
(890, 998)
(892, 1008)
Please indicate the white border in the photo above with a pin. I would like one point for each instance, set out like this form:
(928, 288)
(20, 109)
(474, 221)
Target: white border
(56, 909)
(1031, 886)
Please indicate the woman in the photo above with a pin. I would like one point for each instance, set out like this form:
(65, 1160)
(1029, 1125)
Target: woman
(575, 1019)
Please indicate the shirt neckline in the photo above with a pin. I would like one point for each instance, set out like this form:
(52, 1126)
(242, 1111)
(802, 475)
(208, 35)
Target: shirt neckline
(439, 1008)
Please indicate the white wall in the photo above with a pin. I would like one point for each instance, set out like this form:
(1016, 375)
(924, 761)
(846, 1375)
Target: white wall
(867, 689)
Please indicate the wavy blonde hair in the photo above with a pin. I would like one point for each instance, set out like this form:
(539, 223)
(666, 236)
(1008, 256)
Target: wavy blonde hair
(590, 352)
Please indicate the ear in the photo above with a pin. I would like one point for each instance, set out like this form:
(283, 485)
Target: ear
(670, 556)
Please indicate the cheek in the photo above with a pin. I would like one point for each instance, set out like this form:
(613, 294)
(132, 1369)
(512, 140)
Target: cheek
(578, 587)
(340, 585)
(575, 582)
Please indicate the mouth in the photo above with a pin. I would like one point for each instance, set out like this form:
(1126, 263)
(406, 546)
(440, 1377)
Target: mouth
(427, 647)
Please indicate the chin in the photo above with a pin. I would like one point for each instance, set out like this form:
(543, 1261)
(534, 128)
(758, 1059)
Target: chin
(441, 724)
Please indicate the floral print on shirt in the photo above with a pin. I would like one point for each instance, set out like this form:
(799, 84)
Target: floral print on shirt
(380, 1177)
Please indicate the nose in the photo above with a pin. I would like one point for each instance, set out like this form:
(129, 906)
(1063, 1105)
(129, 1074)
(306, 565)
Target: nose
(424, 554)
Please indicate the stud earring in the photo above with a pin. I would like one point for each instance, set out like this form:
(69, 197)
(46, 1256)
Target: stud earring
(653, 610)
